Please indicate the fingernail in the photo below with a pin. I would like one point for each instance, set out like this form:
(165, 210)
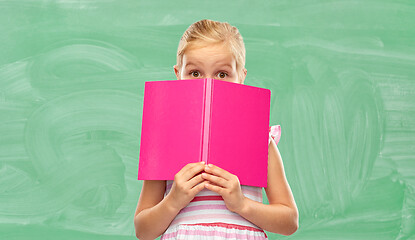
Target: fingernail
(210, 165)
(202, 162)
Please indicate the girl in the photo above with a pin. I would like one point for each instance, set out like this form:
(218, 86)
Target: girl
(205, 201)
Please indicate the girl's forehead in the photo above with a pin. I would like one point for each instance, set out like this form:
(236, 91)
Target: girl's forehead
(205, 61)
(209, 47)
(209, 53)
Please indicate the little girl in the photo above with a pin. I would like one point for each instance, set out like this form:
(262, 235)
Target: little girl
(206, 201)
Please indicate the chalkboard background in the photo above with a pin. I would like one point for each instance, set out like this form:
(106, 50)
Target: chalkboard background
(72, 73)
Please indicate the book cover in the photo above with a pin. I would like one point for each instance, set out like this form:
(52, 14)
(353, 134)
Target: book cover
(193, 120)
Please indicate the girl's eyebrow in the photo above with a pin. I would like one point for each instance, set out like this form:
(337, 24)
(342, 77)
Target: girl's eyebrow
(191, 63)
(224, 64)
(224, 67)
(220, 65)
(227, 65)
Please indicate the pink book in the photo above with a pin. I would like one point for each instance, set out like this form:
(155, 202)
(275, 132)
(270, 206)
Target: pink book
(210, 120)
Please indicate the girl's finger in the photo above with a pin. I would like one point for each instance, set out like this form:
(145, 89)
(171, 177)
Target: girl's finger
(215, 170)
(197, 188)
(195, 180)
(218, 181)
(192, 169)
(214, 188)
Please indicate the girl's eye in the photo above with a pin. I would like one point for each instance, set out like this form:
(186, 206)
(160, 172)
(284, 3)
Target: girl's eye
(195, 74)
(222, 75)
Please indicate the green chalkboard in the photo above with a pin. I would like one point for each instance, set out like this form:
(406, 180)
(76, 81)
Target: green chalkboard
(72, 73)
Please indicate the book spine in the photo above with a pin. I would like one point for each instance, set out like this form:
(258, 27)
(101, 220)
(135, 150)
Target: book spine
(209, 129)
(202, 156)
(206, 119)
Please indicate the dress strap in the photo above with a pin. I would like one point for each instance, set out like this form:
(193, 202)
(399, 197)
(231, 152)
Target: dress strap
(274, 133)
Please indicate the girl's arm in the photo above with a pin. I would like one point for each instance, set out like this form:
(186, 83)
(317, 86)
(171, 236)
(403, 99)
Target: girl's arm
(280, 216)
(153, 214)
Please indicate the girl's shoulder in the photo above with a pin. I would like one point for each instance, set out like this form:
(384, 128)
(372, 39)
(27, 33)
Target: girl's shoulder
(274, 133)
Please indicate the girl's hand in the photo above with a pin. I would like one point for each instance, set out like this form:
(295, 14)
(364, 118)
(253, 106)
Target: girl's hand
(225, 184)
(185, 185)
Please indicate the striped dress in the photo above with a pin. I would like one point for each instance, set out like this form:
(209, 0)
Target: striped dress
(206, 216)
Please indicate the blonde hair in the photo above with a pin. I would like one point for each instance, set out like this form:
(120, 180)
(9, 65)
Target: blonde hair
(205, 32)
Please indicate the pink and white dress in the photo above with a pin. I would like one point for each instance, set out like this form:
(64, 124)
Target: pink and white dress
(206, 216)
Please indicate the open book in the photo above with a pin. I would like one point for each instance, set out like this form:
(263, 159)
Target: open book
(210, 120)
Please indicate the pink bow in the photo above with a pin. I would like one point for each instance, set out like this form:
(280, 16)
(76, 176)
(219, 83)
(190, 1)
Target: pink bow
(275, 133)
